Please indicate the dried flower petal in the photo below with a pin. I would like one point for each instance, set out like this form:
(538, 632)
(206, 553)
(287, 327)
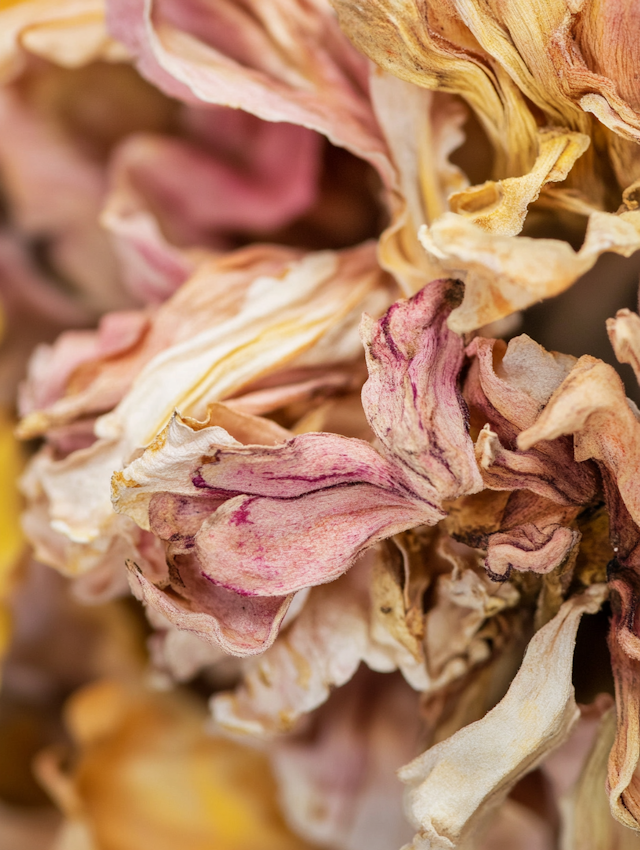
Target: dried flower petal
(507, 743)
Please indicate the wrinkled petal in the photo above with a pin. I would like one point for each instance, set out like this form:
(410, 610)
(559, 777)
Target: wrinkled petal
(502, 274)
(236, 624)
(529, 547)
(412, 399)
(507, 743)
(591, 404)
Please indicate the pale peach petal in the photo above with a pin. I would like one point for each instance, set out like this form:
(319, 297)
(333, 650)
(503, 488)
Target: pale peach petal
(591, 404)
(70, 33)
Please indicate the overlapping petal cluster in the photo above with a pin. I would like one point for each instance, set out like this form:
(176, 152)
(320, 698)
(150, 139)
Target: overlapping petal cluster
(261, 269)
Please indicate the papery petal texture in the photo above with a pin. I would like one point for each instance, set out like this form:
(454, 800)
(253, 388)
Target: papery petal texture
(507, 743)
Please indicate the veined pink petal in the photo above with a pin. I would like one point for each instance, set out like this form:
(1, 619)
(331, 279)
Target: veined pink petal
(238, 625)
(412, 398)
(264, 546)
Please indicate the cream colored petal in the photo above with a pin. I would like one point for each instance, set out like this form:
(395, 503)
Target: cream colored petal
(274, 318)
(70, 33)
(422, 129)
(624, 335)
(443, 805)
(502, 274)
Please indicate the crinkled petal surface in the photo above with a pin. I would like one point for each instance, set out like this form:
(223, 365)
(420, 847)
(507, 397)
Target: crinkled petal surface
(455, 784)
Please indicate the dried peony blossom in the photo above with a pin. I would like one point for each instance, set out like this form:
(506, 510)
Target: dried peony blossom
(375, 537)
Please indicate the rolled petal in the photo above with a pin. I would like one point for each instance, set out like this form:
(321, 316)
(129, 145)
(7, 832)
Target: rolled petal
(412, 399)
(506, 744)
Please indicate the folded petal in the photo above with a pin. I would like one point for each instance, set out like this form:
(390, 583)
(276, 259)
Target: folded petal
(236, 624)
(412, 399)
(531, 720)
(591, 404)
(288, 63)
(502, 274)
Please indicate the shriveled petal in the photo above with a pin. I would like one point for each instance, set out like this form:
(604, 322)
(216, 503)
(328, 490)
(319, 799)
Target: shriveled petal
(506, 470)
(422, 129)
(531, 720)
(412, 399)
(505, 274)
(624, 335)
(501, 207)
(236, 624)
(244, 545)
(321, 650)
(591, 404)
(425, 44)
(530, 547)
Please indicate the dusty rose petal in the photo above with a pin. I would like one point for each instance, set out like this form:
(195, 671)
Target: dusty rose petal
(238, 625)
(292, 64)
(52, 367)
(244, 546)
(34, 311)
(55, 191)
(264, 176)
(338, 784)
(529, 547)
(509, 397)
(412, 399)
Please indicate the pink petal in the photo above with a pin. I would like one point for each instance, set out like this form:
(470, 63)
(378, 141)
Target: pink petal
(412, 399)
(238, 625)
(288, 61)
